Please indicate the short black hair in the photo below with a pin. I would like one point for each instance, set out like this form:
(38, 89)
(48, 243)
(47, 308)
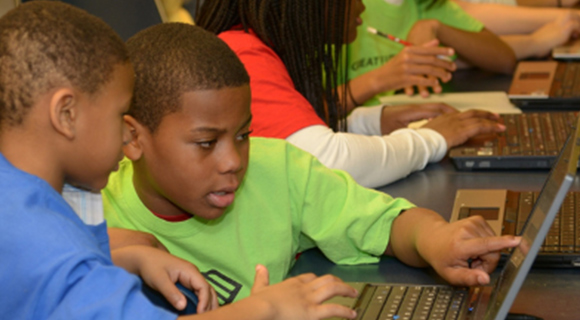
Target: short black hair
(47, 44)
(171, 59)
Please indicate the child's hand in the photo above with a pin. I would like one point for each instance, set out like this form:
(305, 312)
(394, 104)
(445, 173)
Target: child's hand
(449, 247)
(397, 117)
(416, 66)
(556, 33)
(301, 297)
(161, 270)
(457, 128)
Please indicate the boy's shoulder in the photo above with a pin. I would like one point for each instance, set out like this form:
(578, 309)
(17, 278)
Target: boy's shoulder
(274, 150)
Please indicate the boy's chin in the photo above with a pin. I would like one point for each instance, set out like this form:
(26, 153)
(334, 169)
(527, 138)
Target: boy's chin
(210, 213)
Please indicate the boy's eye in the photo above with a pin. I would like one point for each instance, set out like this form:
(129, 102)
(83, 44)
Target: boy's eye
(206, 144)
(244, 136)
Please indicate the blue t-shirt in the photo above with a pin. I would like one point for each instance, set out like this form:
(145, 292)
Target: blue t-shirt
(52, 265)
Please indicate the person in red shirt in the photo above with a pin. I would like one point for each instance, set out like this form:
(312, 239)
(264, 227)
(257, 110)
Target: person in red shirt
(295, 60)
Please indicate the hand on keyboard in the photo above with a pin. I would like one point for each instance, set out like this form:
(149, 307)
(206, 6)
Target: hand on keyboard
(457, 128)
(300, 297)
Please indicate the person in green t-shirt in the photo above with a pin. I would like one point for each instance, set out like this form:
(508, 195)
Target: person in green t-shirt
(375, 62)
(225, 202)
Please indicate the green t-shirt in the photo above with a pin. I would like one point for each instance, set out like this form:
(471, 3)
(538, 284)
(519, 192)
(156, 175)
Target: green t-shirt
(370, 51)
(288, 202)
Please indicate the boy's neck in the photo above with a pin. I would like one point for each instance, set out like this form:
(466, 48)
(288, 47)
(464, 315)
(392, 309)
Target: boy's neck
(152, 200)
(29, 154)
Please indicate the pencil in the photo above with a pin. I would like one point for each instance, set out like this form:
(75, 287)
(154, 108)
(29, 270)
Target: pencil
(388, 36)
(399, 40)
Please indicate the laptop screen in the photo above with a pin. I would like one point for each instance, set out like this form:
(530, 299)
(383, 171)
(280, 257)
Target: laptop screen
(537, 226)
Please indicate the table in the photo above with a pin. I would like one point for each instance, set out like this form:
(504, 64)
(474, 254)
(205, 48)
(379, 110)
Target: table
(547, 293)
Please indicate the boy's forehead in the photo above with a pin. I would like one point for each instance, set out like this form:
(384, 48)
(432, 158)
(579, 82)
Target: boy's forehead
(235, 99)
(215, 105)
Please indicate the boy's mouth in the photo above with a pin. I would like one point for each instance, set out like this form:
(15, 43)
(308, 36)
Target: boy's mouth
(221, 199)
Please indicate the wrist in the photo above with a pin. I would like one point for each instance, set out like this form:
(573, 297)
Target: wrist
(537, 47)
(433, 25)
(424, 237)
(261, 308)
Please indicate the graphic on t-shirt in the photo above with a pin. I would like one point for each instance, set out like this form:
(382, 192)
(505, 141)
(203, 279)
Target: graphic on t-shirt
(371, 63)
(225, 287)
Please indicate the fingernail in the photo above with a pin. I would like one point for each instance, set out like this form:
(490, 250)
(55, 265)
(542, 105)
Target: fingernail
(180, 304)
(482, 280)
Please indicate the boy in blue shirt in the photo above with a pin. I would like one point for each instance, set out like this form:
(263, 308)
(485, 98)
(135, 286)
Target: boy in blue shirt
(65, 84)
(217, 198)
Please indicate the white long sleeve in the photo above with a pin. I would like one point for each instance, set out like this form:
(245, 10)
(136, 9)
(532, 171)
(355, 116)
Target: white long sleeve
(372, 160)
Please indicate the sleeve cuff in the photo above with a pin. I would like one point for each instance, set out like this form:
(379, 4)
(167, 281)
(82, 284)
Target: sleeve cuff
(436, 143)
(365, 120)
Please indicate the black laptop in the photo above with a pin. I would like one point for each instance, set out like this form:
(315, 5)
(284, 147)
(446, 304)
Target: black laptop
(400, 302)
(530, 141)
(546, 85)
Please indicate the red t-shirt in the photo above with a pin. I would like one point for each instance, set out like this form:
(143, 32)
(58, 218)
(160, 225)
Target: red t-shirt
(278, 109)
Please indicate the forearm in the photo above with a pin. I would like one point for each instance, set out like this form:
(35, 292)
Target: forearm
(502, 20)
(547, 3)
(119, 238)
(524, 46)
(372, 161)
(406, 231)
(128, 258)
(482, 49)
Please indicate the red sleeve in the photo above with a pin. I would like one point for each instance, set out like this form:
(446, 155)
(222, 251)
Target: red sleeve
(278, 109)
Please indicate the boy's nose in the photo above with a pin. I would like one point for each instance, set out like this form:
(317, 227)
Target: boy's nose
(231, 161)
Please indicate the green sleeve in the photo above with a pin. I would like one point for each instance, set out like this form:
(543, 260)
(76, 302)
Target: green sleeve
(451, 14)
(349, 223)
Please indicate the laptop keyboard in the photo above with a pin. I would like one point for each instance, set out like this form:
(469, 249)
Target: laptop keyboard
(412, 303)
(534, 134)
(564, 235)
(566, 82)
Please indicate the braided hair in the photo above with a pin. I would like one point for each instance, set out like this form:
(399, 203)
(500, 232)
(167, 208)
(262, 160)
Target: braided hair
(308, 35)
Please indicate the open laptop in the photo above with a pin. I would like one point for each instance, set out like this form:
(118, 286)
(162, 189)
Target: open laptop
(545, 85)
(506, 212)
(396, 301)
(530, 141)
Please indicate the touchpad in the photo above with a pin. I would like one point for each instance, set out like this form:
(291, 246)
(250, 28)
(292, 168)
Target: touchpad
(488, 213)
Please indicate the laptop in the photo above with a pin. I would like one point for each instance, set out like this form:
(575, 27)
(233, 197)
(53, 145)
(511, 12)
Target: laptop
(545, 85)
(396, 301)
(506, 212)
(530, 141)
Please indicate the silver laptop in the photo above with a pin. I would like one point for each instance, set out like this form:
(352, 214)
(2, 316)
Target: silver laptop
(396, 301)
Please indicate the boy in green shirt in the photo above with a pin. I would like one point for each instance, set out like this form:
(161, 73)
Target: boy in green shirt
(190, 157)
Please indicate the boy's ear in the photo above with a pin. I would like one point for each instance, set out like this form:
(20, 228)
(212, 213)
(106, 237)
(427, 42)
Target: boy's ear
(132, 141)
(64, 112)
